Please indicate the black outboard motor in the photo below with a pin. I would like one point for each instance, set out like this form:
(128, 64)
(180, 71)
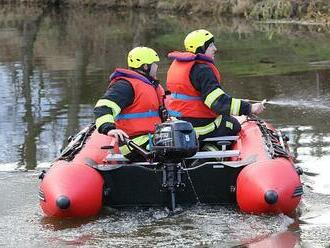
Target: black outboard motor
(173, 141)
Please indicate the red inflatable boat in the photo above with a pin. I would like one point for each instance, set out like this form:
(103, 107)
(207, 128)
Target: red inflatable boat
(253, 170)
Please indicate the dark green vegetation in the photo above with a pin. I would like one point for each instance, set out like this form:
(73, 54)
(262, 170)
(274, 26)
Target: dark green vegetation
(312, 11)
(245, 48)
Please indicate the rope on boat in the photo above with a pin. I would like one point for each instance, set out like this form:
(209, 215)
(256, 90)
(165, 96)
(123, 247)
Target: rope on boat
(76, 143)
(191, 183)
(273, 140)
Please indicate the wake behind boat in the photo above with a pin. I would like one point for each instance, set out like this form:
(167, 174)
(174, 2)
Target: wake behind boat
(253, 170)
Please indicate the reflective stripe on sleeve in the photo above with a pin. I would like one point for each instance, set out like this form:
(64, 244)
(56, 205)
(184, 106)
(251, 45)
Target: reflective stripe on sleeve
(213, 96)
(235, 106)
(104, 119)
(110, 104)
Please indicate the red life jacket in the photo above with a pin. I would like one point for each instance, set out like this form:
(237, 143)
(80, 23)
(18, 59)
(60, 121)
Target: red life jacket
(142, 115)
(185, 100)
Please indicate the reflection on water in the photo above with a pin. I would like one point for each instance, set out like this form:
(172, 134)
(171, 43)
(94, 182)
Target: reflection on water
(283, 239)
(54, 66)
(318, 172)
(56, 224)
(58, 63)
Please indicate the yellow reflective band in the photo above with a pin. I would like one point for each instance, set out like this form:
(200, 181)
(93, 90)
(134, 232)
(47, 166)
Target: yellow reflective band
(213, 96)
(229, 125)
(218, 120)
(205, 130)
(210, 127)
(235, 106)
(110, 104)
(209, 147)
(104, 119)
(140, 140)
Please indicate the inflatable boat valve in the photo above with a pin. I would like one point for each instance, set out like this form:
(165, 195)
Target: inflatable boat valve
(271, 197)
(63, 202)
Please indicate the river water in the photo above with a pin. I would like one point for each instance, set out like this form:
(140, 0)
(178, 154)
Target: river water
(54, 66)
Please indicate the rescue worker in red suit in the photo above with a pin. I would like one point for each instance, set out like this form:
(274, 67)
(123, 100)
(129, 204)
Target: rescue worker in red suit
(197, 95)
(132, 104)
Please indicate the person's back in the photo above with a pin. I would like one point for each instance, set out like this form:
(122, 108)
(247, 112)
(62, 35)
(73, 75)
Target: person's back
(196, 92)
(131, 104)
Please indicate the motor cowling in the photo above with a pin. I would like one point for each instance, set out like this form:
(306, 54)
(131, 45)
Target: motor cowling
(175, 140)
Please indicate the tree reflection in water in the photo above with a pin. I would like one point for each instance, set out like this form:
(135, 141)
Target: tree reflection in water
(58, 62)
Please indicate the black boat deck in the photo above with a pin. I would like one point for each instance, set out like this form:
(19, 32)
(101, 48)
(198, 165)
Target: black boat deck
(208, 180)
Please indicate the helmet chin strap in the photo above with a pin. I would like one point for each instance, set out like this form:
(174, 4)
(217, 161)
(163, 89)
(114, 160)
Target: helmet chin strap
(202, 49)
(146, 72)
(142, 70)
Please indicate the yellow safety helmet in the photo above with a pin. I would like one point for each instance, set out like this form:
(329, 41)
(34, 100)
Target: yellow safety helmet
(140, 56)
(196, 39)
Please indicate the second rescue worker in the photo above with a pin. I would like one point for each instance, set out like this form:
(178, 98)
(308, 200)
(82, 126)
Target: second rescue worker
(196, 93)
(133, 101)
